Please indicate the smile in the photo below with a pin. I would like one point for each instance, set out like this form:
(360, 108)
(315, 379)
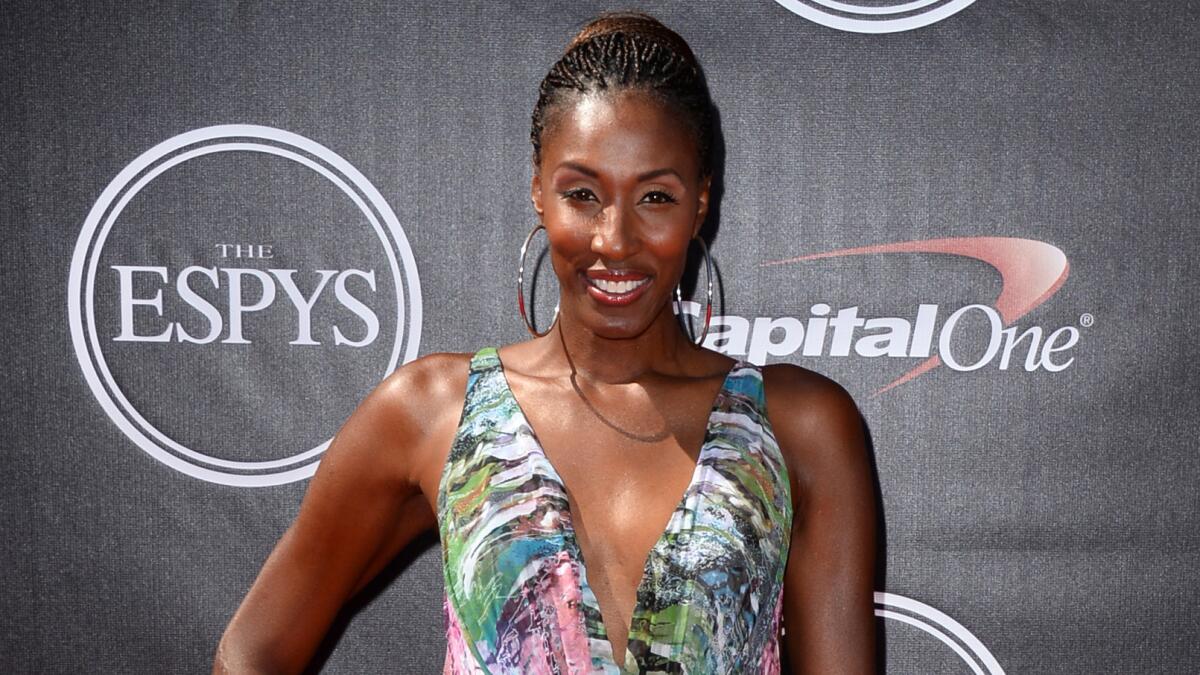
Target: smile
(616, 291)
(616, 287)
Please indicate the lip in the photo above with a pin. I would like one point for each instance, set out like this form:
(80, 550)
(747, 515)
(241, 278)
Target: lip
(615, 299)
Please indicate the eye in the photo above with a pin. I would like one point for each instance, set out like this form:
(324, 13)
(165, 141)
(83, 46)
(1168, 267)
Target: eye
(578, 195)
(659, 197)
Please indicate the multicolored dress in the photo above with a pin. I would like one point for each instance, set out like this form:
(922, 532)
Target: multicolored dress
(517, 597)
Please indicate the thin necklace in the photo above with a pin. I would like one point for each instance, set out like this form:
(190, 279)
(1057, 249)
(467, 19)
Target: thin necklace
(655, 437)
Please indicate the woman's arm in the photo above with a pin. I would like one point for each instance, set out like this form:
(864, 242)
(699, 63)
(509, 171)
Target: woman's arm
(365, 503)
(828, 590)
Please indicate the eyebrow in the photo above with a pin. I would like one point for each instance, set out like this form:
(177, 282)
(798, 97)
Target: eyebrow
(665, 171)
(580, 168)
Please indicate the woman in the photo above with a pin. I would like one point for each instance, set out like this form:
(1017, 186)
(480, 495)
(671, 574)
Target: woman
(674, 511)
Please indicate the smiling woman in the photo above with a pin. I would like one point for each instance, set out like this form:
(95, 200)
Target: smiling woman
(720, 535)
(620, 191)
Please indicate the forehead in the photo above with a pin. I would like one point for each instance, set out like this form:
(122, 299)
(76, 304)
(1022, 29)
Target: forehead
(620, 131)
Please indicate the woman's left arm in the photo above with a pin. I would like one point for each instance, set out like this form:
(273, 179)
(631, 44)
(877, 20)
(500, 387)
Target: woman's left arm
(828, 606)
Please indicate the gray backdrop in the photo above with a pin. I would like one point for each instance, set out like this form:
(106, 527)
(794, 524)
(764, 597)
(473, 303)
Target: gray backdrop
(1040, 517)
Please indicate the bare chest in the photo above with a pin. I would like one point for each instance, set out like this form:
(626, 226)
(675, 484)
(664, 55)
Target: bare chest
(626, 462)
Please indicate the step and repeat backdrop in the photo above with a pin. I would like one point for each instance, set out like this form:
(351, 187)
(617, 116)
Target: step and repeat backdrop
(224, 223)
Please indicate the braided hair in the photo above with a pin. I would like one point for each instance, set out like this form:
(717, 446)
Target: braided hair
(629, 51)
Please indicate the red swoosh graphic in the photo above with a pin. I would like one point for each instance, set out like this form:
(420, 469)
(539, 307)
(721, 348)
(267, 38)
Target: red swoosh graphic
(1030, 272)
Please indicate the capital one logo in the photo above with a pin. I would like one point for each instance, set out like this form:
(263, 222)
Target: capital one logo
(877, 17)
(233, 293)
(1031, 272)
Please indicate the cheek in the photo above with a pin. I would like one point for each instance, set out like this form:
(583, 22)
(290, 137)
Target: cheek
(567, 238)
(674, 258)
(669, 243)
(570, 246)
(571, 228)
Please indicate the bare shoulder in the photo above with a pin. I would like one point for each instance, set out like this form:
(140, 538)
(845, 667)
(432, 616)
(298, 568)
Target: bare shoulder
(817, 424)
(797, 395)
(414, 412)
(425, 388)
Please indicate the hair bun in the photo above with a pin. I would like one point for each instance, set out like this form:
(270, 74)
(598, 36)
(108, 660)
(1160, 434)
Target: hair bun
(633, 23)
(630, 50)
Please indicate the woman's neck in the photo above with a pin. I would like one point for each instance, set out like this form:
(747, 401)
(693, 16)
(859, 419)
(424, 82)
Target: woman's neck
(658, 349)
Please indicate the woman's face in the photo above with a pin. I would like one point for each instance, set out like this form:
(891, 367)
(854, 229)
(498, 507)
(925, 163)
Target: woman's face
(620, 191)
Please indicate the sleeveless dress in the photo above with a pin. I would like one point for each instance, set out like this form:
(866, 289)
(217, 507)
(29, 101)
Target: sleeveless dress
(517, 599)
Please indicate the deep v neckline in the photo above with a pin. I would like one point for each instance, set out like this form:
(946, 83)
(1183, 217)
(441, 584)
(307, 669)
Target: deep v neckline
(681, 507)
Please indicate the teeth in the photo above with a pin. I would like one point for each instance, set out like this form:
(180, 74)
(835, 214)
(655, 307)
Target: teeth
(617, 287)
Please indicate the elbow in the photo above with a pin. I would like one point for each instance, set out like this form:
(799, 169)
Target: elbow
(235, 657)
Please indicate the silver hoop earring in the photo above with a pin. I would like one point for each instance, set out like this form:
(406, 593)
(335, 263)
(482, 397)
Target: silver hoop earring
(521, 287)
(708, 306)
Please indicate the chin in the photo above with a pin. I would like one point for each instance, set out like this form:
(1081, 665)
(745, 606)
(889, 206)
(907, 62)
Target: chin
(618, 333)
(617, 328)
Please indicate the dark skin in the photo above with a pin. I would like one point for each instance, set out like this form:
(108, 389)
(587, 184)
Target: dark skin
(620, 190)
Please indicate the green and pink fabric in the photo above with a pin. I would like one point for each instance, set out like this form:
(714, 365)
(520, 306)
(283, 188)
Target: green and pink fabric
(517, 596)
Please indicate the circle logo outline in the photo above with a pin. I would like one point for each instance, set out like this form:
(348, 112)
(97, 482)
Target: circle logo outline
(856, 23)
(95, 230)
(941, 626)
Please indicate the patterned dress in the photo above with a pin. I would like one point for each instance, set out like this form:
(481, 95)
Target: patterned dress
(517, 596)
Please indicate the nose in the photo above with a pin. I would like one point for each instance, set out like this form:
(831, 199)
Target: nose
(615, 237)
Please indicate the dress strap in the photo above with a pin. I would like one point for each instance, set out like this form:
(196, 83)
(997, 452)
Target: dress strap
(485, 359)
(481, 390)
(747, 382)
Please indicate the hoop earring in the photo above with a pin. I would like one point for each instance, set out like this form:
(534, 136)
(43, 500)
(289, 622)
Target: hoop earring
(708, 271)
(521, 287)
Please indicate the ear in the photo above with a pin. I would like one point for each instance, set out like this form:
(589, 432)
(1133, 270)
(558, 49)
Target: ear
(702, 204)
(535, 192)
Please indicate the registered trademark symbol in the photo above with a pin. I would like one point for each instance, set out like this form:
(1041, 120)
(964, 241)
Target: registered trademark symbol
(1086, 319)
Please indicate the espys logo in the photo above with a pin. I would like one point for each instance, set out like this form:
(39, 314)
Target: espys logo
(1031, 272)
(878, 17)
(227, 288)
